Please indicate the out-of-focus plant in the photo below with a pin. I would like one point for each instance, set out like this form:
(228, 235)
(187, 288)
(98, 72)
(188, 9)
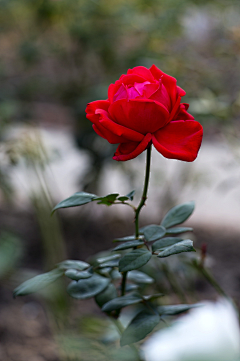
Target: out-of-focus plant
(195, 41)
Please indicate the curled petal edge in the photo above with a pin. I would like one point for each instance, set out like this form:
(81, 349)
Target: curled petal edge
(140, 147)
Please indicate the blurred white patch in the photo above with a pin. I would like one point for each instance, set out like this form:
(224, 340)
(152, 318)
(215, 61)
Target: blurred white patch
(207, 333)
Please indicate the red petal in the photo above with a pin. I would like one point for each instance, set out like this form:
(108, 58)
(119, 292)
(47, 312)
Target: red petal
(142, 115)
(143, 72)
(108, 135)
(179, 140)
(124, 79)
(127, 151)
(181, 92)
(91, 109)
(117, 129)
(168, 81)
(102, 104)
(183, 114)
(161, 95)
(175, 109)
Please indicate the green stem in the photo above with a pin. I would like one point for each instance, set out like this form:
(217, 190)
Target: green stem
(145, 189)
(138, 209)
(212, 281)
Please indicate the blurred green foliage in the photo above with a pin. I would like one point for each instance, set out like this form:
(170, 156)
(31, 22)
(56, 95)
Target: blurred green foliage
(66, 52)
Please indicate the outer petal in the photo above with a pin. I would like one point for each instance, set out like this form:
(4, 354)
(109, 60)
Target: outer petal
(143, 72)
(179, 140)
(117, 129)
(142, 115)
(108, 135)
(169, 82)
(98, 104)
(182, 113)
(127, 151)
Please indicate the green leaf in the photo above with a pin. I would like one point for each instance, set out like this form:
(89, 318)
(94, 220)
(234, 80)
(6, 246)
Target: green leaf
(134, 259)
(107, 295)
(133, 276)
(77, 199)
(73, 264)
(178, 230)
(139, 277)
(128, 196)
(108, 200)
(87, 288)
(128, 245)
(130, 287)
(139, 327)
(125, 239)
(172, 310)
(184, 246)
(178, 214)
(153, 232)
(121, 302)
(75, 275)
(153, 297)
(165, 242)
(113, 263)
(108, 258)
(37, 283)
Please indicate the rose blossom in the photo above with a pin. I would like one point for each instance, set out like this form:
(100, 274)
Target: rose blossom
(143, 107)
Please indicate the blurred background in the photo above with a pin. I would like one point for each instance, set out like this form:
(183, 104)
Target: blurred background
(55, 57)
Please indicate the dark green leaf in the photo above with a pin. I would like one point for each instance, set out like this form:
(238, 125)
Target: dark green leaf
(123, 198)
(134, 259)
(128, 245)
(165, 242)
(125, 239)
(133, 276)
(107, 200)
(130, 195)
(87, 288)
(178, 214)
(139, 277)
(130, 287)
(184, 246)
(153, 297)
(178, 230)
(107, 295)
(153, 232)
(108, 258)
(77, 199)
(113, 263)
(105, 271)
(139, 327)
(121, 302)
(73, 264)
(172, 310)
(75, 275)
(37, 283)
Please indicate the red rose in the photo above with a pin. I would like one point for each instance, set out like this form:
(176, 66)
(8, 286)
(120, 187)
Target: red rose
(145, 106)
